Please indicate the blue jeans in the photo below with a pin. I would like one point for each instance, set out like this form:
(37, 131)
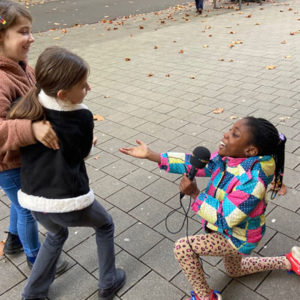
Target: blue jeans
(57, 224)
(199, 4)
(21, 221)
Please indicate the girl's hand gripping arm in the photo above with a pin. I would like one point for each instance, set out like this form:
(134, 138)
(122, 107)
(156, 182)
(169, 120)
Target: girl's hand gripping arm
(44, 133)
(142, 151)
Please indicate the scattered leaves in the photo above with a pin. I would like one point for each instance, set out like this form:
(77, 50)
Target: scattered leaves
(271, 67)
(218, 110)
(98, 118)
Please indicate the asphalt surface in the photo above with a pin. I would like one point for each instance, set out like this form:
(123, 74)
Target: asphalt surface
(67, 13)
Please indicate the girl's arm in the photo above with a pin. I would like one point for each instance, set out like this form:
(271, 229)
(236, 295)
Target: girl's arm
(142, 151)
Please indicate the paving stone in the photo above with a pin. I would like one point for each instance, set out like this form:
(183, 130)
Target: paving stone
(4, 210)
(107, 186)
(161, 190)
(280, 244)
(14, 293)
(139, 179)
(278, 284)
(290, 200)
(66, 285)
(127, 198)
(76, 236)
(119, 168)
(151, 212)
(12, 277)
(138, 239)
(285, 221)
(161, 259)
(174, 223)
(101, 160)
(151, 287)
(122, 220)
(236, 288)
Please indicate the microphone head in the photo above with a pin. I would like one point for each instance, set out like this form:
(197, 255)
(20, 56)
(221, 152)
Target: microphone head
(200, 157)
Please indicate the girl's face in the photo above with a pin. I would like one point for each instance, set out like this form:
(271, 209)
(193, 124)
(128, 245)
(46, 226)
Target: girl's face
(236, 142)
(16, 40)
(76, 94)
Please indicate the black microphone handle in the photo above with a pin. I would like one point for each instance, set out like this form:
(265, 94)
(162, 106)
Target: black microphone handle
(191, 175)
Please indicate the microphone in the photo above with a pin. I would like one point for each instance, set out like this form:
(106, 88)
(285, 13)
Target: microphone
(198, 160)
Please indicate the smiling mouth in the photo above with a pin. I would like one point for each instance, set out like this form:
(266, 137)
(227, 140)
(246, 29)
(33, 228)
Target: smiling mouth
(221, 145)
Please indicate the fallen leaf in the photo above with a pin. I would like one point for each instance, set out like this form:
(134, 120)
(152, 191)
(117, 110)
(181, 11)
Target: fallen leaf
(155, 47)
(150, 75)
(270, 67)
(249, 16)
(106, 97)
(64, 30)
(168, 75)
(231, 32)
(163, 22)
(210, 35)
(230, 60)
(218, 110)
(95, 157)
(192, 77)
(283, 42)
(141, 27)
(205, 46)
(127, 59)
(207, 27)
(56, 38)
(257, 23)
(221, 59)
(288, 57)
(233, 117)
(181, 51)
(2, 243)
(98, 118)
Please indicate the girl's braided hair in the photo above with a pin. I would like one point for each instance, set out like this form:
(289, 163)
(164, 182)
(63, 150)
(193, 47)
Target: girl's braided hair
(267, 139)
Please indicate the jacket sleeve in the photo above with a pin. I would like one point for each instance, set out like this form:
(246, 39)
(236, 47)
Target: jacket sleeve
(179, 163)
(245, 200)
(13, 133)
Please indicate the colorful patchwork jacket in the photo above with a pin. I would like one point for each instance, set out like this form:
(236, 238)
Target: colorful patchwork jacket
(234, 201)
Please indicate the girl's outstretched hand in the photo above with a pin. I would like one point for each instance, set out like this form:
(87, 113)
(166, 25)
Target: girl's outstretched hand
(141, 151)
(189, 187)
(44, 133)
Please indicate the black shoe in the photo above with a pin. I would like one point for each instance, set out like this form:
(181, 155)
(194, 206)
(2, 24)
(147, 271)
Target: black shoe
(108, 294)
(61, 265)
(12, 244)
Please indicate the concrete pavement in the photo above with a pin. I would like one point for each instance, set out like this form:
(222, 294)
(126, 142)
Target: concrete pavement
(159, 77)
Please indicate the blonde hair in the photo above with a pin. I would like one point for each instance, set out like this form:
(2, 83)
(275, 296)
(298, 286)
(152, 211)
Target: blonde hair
(56, 69)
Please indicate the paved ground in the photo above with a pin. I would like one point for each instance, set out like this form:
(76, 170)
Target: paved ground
(173, 109)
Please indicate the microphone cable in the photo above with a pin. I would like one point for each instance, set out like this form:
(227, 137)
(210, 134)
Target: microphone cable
(186, 219)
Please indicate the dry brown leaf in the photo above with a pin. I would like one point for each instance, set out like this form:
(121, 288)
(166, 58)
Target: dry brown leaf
(168, 75)
(233, 117)
(64, 30)
(257, 23)
(210, 35)
(271, 67)
(207, 27)
(96, 157)
(162, 22)
(288, 57)
(205, 46)
(181, 51)
(141, 27)
(249, 16)
(150, 75)
(221, 59)
(98, 118)
(218, 110)
(231, 45)
(2, 243)
(106, 97)
(127, 59)
(155, 47)
(192, 77)
(230, 60)
(232, 32)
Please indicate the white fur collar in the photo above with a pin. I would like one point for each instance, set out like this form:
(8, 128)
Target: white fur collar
(56, 104)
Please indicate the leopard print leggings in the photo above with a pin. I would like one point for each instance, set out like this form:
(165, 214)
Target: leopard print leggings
(215, 244)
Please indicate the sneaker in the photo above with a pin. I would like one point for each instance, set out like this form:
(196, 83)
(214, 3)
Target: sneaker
(215, 295)
(294, 259)
(108, 294)
(61, 265)
(12, 244)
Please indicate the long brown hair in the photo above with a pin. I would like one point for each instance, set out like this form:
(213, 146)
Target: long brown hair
(56, 69)
(10, 12)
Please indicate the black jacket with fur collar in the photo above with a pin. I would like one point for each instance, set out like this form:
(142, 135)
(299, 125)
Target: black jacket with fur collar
(56, 180)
